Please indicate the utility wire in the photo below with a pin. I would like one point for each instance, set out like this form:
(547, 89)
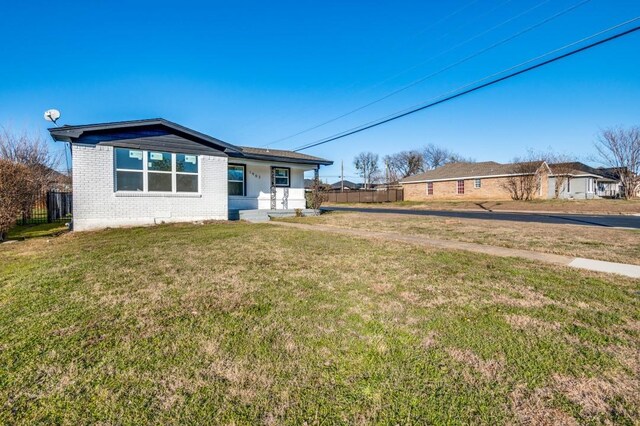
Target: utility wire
(566, 46)
(468, 91)
(450, 66)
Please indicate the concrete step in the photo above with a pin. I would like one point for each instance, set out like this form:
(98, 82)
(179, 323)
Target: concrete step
(265, 215)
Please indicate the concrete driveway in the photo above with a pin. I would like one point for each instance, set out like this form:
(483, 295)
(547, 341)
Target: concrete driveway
(611, 221)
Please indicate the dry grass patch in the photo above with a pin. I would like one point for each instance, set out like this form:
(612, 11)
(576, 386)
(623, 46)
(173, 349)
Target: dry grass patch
(615, 245)
(603, 206)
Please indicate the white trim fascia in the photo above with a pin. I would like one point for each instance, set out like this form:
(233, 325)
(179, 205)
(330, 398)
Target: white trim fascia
(578, 176)
(466, 177)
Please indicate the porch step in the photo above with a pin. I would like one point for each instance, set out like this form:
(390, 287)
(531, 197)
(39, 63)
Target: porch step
(265, 215)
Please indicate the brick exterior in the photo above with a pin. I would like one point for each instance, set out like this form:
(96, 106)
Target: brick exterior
(490, 189)
(97, 205)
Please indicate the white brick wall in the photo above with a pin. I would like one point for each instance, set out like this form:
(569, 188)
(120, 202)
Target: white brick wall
(97, 205)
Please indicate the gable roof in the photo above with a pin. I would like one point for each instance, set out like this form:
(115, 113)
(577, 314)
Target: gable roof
(464, 170)
(159, 133)
(73, 133)
(577, 168)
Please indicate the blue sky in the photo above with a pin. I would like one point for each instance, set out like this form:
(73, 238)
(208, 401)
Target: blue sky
(253, 72)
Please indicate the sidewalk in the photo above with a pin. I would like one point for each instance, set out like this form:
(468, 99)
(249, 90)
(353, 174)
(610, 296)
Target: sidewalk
(632, 271)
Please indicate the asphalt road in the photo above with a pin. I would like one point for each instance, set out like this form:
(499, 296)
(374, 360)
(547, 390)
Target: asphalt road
(609, 221)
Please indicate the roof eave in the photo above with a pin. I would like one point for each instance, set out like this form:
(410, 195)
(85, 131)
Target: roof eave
(248, 156)
(70, 133)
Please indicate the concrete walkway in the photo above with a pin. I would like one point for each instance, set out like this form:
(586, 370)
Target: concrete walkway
(632, 271)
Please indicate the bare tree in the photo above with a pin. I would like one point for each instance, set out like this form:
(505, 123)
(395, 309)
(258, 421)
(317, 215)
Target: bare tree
(561, 166)
(435, 156)
(32, 151)
(524, 180)
(367, 165)
(619, 149)
(17, 184)
(403, 164)
(316, 197)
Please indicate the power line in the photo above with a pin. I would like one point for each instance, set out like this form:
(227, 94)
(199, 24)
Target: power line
(394, 47)
(474, 89)
(566, 46)
(450, 66)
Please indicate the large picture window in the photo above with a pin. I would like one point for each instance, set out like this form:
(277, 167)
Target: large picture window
(281, 176)
(155, 171)
(235, 177)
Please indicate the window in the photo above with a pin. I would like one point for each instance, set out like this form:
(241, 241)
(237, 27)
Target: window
(568, 184)
(161, 172)
(429, 188)
(477, 183)
(460, 187)
(235, 177)
(281, 175)
(129, 170)
(186, 173)
(160, 176)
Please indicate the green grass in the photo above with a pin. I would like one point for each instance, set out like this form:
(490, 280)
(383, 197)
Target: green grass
(21, 232)
(246, 324)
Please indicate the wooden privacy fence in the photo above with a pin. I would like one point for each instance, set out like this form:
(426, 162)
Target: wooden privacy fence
(364, 196)
(48, 207)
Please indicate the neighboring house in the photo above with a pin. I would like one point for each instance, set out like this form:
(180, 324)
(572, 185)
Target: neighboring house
(480, 181)
(578, 180)
(152, 171)
(346, 184)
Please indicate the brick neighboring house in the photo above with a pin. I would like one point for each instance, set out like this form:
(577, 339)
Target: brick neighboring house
(476, 181)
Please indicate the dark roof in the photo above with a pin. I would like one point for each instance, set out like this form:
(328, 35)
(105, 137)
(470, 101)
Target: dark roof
(347, 184)
(147, 132)
(453, 171)
(576, 168)
(283, 155)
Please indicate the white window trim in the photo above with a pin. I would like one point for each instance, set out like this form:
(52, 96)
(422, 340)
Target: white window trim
(477, 183)
(275, 178)
(145, 175)
(243, 181)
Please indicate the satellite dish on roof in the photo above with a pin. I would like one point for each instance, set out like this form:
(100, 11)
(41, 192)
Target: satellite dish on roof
(52, 115)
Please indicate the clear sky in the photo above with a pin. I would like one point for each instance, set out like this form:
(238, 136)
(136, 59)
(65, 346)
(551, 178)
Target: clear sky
(253, 72)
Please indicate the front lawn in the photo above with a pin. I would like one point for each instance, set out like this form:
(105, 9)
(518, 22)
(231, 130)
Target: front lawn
(236, 323)
(598, 206)
(21, 232)
(600, 243)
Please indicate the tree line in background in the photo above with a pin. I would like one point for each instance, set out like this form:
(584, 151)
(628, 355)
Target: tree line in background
(617, 149)
(397, 166)
(27, 167)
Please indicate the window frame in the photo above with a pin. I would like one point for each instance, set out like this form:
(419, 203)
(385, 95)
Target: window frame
(460, 184)
(116, 170)
(145, 173)
(429, 188)
(288, 169)
(176, 172)
(477, 183)
(244, 179)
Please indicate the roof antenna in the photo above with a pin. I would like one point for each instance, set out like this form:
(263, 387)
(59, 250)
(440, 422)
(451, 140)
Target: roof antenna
(52, 115)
